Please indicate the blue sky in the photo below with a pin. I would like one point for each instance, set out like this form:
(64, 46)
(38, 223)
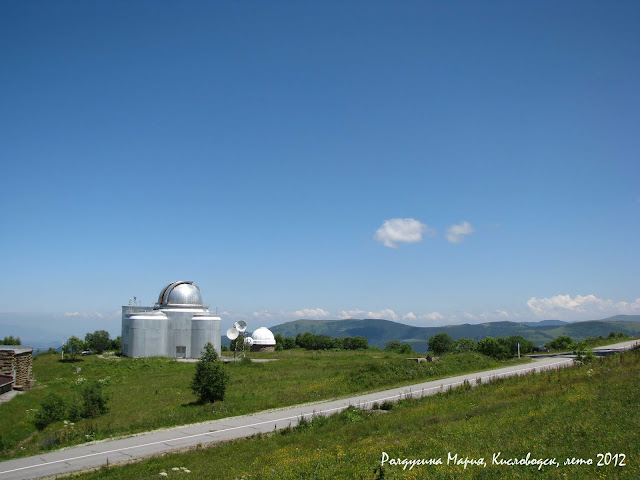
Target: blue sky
(257, 148)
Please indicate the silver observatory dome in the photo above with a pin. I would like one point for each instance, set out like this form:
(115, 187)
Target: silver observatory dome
(180, 294)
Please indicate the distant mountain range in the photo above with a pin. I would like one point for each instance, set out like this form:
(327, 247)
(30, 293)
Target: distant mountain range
(379, 332)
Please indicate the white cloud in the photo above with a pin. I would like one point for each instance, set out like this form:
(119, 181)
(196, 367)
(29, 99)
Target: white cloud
(84, 314)
(457, 233)
(565, 307)
(502, 314)
(423, 320)
(385, 314)
(312, 313)
(405, 230)
(265, 315)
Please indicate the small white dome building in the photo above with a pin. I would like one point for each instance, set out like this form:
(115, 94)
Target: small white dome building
(263, 340)
(178, 325)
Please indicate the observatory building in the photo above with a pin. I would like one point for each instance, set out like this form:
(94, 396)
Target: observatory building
(177, 326)
(263, 340)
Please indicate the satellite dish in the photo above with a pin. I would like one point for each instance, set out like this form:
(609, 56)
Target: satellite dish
(240, 325)
(248, 341)
(232, 333)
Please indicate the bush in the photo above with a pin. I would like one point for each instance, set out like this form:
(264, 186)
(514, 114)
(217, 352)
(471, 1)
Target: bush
(52, 409)
(386, 405)
(526, 346)
(398, 347)
(94, 401)
(98, 341)
(497, 348)
(441, 343)
(210, 379)
(73, 347)
(561, 343)
(464, 345)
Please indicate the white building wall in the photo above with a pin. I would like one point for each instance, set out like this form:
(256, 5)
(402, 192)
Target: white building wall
(168, 332)
(205, 329)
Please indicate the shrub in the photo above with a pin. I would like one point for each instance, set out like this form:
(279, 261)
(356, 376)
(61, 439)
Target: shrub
(398, 347)
(98, 341)
(526, 346)
(52, 408)
(74, 412)
(386, 405)
(210, 379)
(94, 401)
(561, 343)
(351, 414)
(441, 343)
(494, 347)
(73, 347)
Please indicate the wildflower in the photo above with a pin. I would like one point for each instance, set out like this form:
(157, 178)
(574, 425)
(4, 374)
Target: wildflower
(175, 469)
(163, 474)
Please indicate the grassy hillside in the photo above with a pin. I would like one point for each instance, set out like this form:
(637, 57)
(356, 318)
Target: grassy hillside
(147, 394)
(564, 414)
(379, 332)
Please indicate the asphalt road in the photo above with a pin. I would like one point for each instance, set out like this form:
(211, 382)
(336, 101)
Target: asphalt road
(97, 454)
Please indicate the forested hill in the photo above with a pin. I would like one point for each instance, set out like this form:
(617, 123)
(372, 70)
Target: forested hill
(378, 332)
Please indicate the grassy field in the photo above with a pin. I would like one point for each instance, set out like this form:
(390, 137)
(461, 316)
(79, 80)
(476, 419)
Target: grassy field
(590, 412)
(146, 394)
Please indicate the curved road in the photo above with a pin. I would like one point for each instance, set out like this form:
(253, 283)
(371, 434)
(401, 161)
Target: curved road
(97, 454)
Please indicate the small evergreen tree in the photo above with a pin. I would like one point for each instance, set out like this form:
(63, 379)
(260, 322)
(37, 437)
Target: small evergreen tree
(210, 380)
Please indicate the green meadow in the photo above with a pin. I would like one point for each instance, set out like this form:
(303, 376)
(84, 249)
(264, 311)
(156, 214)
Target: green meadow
(152, 393)
(558, 421)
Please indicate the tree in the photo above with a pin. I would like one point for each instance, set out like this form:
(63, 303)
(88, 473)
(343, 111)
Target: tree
(561, 343)
(73, 347)
(210, 380)
(116, 344)
(440, 343)
(98, 341)
(11, 341)
(494, 347)
(526, 346)
(393, 345)
(398, 347)
(289, 343)
(464, 345)
(358, 343)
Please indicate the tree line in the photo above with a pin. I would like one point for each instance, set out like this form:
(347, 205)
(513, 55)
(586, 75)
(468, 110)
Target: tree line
(498, 348)
(97, 342)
